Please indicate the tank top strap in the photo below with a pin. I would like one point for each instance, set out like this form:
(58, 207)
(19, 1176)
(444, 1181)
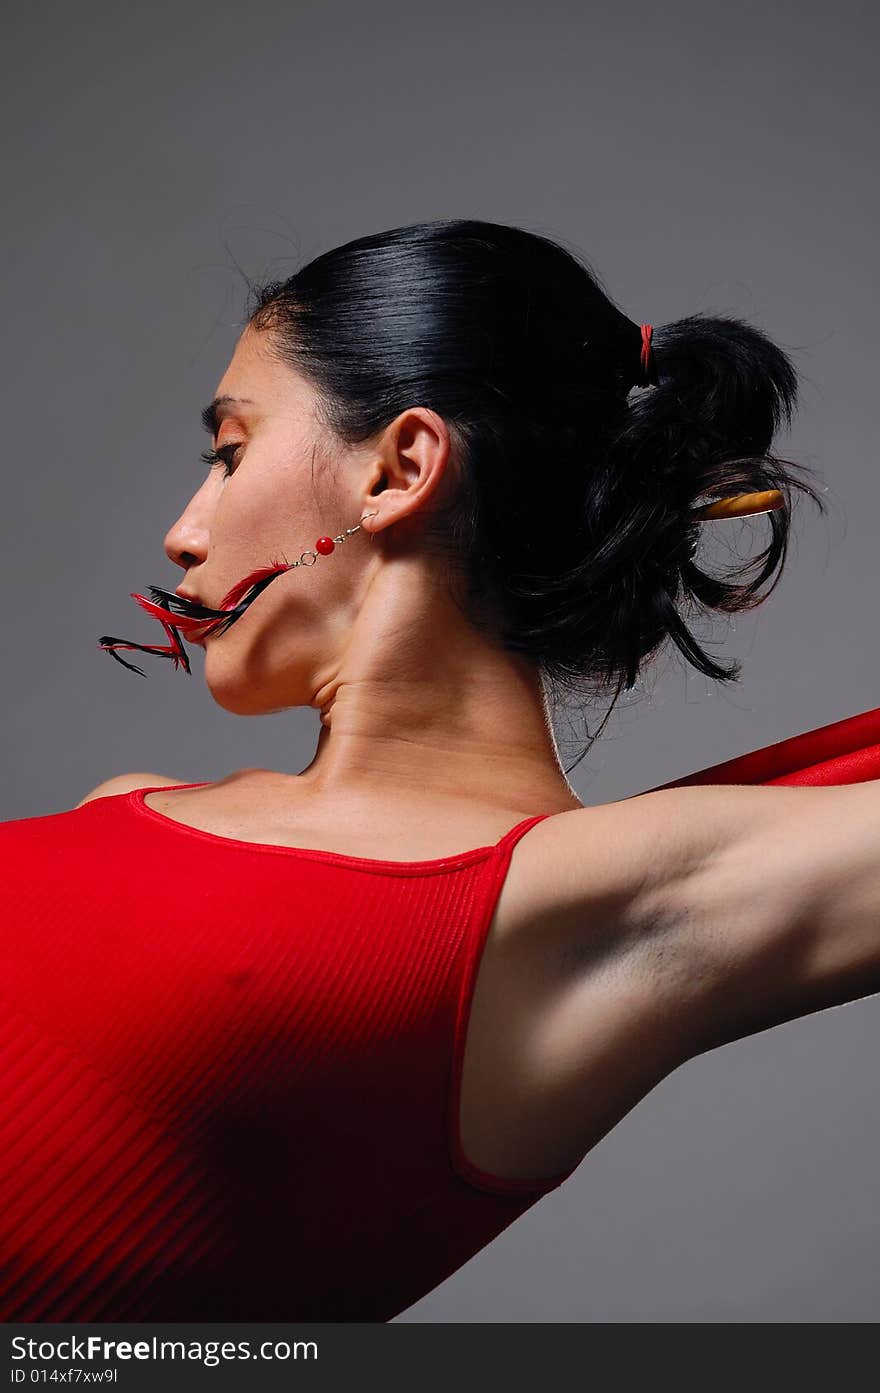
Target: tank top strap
(510, 838)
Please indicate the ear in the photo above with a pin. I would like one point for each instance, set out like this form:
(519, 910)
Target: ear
(413, 457)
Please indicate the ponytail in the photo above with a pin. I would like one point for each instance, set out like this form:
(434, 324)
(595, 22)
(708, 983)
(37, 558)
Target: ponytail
(704, 431)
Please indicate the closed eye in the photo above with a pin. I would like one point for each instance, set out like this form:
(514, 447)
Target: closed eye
(215, 457)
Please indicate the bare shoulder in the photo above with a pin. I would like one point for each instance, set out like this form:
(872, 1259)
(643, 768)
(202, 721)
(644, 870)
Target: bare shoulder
(638, 860)
(632, 936)
(125, 783)
(573, 1019)
(725, 908)
(593, 876)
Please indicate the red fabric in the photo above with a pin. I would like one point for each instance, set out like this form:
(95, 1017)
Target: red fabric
(229, 1073)
(845, 752)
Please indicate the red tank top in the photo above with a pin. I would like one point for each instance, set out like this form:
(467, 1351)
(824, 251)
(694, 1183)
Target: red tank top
(230, 1073)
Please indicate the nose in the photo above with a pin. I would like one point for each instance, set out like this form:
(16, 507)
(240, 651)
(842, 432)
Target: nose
(186, 542)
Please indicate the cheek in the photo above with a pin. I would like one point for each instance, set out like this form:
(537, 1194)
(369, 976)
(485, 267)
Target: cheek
(256, 524)
(267, 512)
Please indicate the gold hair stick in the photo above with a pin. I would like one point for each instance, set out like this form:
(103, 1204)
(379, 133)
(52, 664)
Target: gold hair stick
(741, 505)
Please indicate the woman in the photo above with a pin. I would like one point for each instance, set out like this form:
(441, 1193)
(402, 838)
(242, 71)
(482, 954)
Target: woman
(345, 1026)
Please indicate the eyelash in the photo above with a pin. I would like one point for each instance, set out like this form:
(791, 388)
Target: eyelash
(213, 457)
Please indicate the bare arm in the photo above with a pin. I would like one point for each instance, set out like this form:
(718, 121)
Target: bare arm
(656, 928)
(738, 907)
(784, 914)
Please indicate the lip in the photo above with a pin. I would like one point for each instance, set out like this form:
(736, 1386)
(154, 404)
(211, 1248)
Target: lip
(193, 636)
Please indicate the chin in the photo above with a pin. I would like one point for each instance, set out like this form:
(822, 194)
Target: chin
(242, 695)
(235, 702)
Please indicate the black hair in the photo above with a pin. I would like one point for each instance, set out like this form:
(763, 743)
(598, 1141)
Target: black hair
(569, 535)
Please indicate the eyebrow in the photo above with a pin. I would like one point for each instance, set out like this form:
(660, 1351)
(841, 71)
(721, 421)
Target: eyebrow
(213, 413)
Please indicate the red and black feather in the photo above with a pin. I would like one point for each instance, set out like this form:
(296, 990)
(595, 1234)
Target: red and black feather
(176, 613)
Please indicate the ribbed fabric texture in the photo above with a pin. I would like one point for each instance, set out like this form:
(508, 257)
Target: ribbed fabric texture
(230, 1072)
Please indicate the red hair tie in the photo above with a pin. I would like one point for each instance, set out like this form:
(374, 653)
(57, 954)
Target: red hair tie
(646, 358)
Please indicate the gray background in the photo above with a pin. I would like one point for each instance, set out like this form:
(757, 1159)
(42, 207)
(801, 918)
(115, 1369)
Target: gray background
(704, 157)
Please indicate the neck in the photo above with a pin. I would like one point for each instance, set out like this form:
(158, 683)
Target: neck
(420, 701)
